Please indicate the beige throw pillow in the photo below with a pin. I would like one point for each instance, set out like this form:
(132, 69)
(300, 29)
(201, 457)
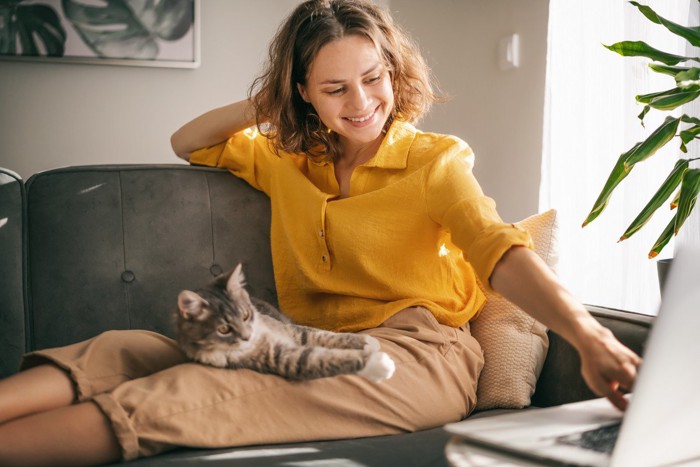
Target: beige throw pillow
(514, 344)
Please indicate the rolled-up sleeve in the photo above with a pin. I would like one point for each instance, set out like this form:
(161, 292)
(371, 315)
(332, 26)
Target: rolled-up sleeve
(455, 200)
(247, 155)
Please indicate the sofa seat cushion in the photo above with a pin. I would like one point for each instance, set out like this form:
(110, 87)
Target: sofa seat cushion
(422, 448)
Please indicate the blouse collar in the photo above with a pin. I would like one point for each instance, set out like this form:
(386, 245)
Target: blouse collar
(393, 152)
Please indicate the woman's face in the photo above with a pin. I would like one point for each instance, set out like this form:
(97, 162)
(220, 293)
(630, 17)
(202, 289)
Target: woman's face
(350, 88)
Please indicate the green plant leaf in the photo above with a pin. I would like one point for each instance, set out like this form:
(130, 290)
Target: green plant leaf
(688, 78)
(669, 99)
(662, 135)
(674, 101)
(647, 98)
(642, 49)
(667, 70)
(692, 35)
(663, 239)
(662, 194)
(688, 119)
(639, 152)
(689, 134)
(690, 187)
(643, 114)
(618, 173)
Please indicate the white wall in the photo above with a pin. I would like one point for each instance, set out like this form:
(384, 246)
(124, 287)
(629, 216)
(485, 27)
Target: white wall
(499, 113)
(54, 115)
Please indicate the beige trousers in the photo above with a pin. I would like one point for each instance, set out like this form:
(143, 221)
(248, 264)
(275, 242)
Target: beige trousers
(156, 400)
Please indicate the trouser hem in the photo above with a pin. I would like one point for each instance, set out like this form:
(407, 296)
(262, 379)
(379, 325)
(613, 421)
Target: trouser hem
(81, 382)
(121, 425)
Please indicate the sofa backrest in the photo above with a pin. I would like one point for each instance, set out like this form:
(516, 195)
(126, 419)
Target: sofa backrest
(110, 247)
(12, 299)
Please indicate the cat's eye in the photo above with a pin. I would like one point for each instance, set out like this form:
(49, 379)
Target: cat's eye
(224, 330)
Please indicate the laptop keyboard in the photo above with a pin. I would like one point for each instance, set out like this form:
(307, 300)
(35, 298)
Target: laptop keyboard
(600, 439)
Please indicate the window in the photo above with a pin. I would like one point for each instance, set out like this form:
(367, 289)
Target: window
(590, 119)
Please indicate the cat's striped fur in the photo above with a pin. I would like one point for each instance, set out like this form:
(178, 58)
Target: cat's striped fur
(223, 326)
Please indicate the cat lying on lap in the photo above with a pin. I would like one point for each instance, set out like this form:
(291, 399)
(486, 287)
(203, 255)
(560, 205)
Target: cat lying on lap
(223, 326)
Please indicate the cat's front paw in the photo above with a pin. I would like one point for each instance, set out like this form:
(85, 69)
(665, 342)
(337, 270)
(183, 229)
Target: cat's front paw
(371, 344)
(212, 358)
(379, 367)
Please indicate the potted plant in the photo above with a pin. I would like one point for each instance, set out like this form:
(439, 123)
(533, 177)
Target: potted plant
(686, 128)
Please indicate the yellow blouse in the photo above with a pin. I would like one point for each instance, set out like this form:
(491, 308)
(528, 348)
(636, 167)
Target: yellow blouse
(413, 232)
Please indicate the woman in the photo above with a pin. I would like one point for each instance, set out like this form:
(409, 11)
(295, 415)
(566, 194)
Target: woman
(362, 204)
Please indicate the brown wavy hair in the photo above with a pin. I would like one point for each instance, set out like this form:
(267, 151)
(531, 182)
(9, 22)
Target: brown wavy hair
(291, 123)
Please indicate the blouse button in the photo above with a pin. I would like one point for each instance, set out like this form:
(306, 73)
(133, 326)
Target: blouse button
(324, 258)
(320, 233)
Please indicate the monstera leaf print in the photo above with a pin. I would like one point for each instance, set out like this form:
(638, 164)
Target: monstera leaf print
(30, 30)
(129, 28)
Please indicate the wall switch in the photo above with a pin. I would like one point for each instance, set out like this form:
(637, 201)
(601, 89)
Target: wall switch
(509, 52)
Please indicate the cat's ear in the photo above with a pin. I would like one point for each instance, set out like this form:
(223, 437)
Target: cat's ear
(236, 283)
(191, 306)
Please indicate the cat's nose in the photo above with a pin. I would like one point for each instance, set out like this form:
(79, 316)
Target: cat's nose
(245, 334)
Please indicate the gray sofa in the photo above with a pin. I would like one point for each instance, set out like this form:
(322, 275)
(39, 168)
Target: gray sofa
(88, 249)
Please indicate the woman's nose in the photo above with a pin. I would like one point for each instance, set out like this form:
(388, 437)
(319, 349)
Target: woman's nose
(358, 98)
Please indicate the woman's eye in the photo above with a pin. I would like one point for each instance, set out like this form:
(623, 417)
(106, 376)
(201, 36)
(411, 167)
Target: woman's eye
(374, 79)
(224, 330)
(335, 91)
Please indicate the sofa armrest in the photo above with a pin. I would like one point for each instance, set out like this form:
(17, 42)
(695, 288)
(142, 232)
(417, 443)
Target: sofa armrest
(12, 271)
(560, 381)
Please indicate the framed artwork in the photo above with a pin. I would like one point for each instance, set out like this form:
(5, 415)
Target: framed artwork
(157, 33)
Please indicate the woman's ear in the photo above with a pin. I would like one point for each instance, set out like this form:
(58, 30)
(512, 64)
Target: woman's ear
(302, 93)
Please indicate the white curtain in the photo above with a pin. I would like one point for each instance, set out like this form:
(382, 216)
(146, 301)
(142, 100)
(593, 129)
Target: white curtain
(590, 119)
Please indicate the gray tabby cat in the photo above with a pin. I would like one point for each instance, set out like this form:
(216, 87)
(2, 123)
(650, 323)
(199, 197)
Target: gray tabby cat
(221, 325)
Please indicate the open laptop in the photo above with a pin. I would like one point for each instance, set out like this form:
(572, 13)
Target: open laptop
(661, 425)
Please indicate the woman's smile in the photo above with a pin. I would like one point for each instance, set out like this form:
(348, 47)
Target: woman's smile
(363, 120)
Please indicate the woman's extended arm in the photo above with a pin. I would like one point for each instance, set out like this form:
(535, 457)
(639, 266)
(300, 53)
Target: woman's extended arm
(608, 367)
(212, 127)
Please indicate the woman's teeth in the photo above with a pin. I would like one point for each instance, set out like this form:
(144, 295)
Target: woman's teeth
(360, 119)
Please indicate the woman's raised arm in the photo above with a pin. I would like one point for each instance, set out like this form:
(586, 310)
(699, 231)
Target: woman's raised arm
(212, 127)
